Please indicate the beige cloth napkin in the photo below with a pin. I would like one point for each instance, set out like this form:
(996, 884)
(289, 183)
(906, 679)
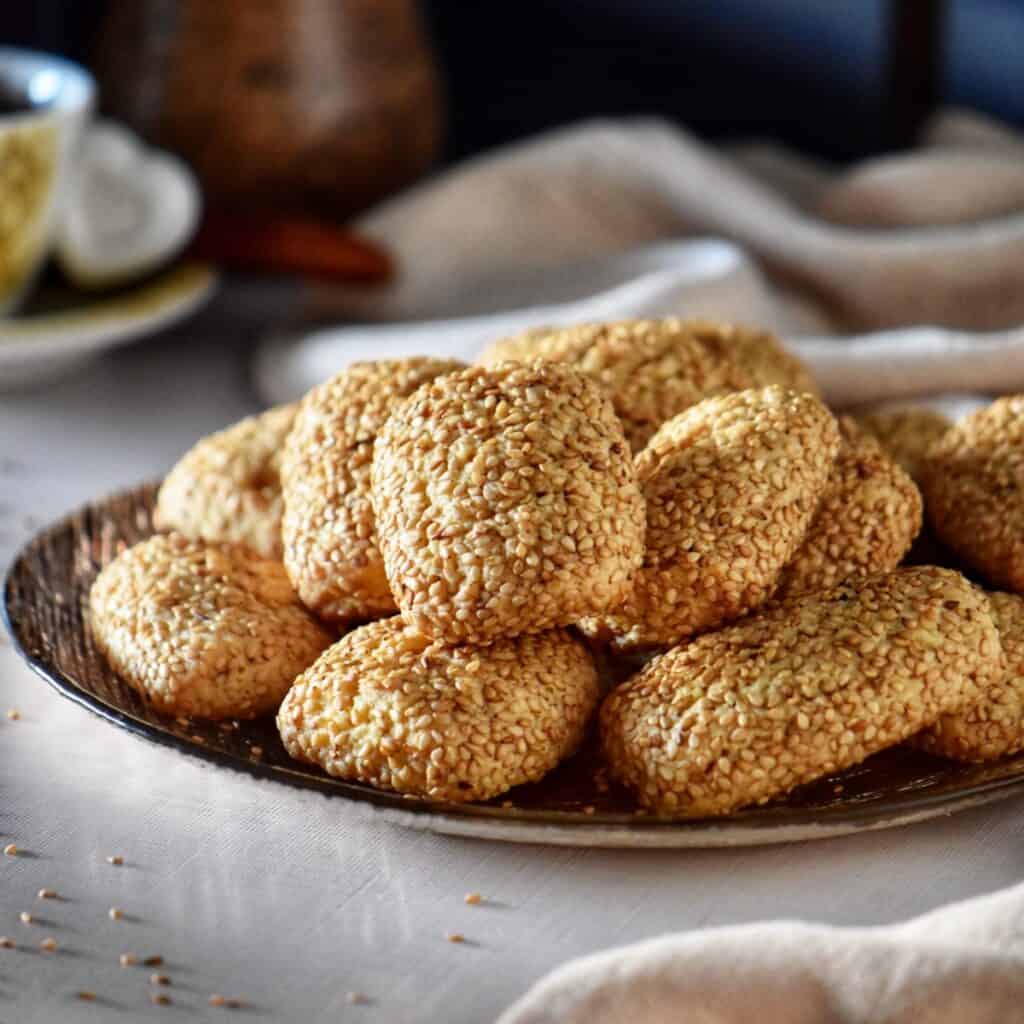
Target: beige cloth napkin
(963, 964)
(902, 276)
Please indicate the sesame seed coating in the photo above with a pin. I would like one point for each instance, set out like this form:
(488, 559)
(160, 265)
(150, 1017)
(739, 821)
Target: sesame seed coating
(392, 708)
(805, 688)
(992, 726)
(866, 521)
(731, 486)
(759, 352)
(506, 502)
(330, 538)
(205, 630)
(228, 487)
(906, 434)
(973, 486)
(650, 369)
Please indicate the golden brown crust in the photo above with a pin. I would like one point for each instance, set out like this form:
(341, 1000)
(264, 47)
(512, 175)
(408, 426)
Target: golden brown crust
(992, 726)
(506, 503)
(205, 630)
(330, 542)
(906, 434)
(759, 352)
(228, 487)
(866, 522)
(650, 369)
(973, 486)
(805, 688)
(391, 708)
(731, 487)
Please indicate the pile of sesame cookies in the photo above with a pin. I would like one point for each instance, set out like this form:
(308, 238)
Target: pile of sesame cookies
(486, 535)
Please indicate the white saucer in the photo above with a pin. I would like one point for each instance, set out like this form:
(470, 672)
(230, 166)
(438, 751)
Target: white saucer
(60, 328)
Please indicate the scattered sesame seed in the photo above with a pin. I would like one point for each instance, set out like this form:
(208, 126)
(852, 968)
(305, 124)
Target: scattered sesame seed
(6, 943)
(13, 714)
(507, 804)
(356, 998)
(160, 999)
(46, 894)
(87, 997)
(256, 751)
(115, 913)
(116, 860)
(128, 960)
(455, 937)
(589, 809)
(217, 1000)
(48, 945)
(159, 979)
(153, 961)
(196, 738)
(11, 850)
(25, 917)
(472, 898)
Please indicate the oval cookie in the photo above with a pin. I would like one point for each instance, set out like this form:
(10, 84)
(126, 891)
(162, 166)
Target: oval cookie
(731, 487)
(973, 486)
(330, 536)
(203, 630)
(651, 370)
(992, 726)
(865, 523)
(228, 487)
(803, 689)
(906, 434)
(389, 707)
(506, 503)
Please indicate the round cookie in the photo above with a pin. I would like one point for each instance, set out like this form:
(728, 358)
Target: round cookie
(203, 630)
(973, 486)
(803, 689)
(731, 487)
(650, 369)
(506, 503)
(228, 487)
(330, 538)
(866, 521)
(992, 726)
(906, 434)
(387, 706)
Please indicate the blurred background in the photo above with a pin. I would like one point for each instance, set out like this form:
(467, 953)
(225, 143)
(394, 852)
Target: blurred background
(418, 85)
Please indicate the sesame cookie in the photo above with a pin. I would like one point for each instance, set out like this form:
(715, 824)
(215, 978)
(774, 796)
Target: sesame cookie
(228, 487)
(992, 726)
(759, 352)
(390, 707)
(650, 369)
(205, 630)
(973, 486)
(803, 689)
(330, 538)
(906, 434)
(866, 521)
(506, 503)
(731, 487)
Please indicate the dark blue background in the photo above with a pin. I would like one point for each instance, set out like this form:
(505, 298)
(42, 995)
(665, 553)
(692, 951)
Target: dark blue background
(811, 72)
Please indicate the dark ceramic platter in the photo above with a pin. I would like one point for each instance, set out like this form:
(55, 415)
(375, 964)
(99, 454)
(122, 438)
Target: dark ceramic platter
(44, 598)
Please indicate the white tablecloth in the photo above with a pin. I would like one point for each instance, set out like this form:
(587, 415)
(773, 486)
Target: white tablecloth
(290, 900)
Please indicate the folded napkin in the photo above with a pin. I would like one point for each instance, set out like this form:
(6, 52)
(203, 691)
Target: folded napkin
(901, 276)
(963, 964)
